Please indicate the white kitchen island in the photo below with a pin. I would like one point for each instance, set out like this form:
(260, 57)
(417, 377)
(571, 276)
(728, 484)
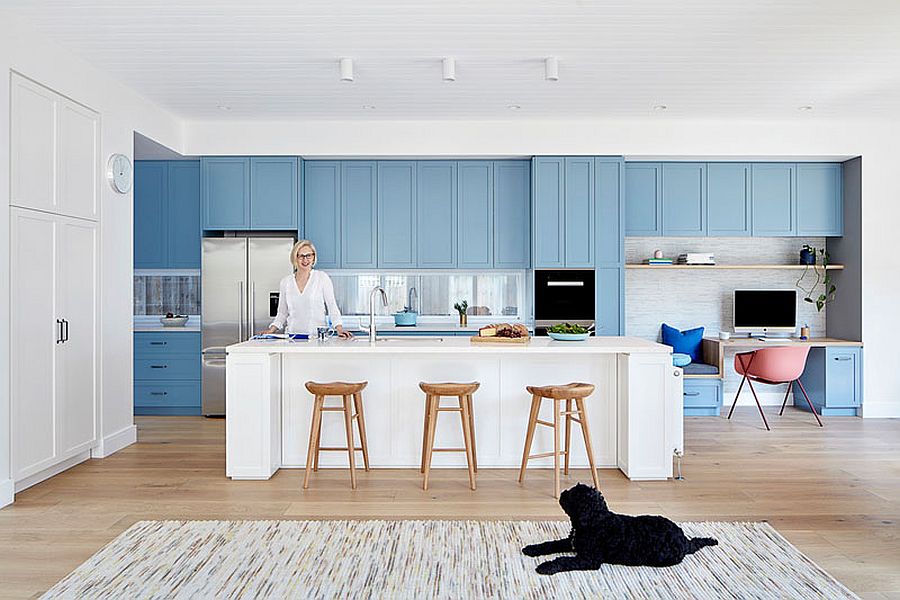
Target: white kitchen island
(635, 413)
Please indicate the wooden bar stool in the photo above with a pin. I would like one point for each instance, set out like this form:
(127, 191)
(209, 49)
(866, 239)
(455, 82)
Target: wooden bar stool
(346, 391)
(433, 394)
(569, 393)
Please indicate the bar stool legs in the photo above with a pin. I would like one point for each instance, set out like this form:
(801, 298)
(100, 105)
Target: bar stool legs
(433, 394)
(352, 408)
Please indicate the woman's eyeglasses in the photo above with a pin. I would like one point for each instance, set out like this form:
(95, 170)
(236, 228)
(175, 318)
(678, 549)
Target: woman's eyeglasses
(309, 256)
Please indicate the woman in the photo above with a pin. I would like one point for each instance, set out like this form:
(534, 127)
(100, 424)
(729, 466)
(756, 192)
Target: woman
(304, 296)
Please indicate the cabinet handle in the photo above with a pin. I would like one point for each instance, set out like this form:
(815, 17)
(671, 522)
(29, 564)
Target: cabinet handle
(159, 393)
(158, 366)
(843, 358)
(59, 332)
(676, 373)
(157, 343)
(692, 393)
(66, 331)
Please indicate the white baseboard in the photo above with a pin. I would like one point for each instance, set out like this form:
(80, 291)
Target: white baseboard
(24, 484)
(746, 399)
(114, 442)
(880, 410)
(7, 492)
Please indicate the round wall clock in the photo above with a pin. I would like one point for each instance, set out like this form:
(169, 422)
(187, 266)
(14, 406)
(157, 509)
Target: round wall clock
(118, 173)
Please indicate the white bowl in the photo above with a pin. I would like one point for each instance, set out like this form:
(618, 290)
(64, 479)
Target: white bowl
(173, 321)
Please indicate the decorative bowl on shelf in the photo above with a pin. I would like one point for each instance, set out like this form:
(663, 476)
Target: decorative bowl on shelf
(405, 318)
(569, 337)
(177, 321)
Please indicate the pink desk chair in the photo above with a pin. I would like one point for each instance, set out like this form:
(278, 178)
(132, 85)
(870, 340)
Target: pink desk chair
(781, 364)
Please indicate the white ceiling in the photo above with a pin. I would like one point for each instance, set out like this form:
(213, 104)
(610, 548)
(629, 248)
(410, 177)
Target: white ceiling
(278, 59)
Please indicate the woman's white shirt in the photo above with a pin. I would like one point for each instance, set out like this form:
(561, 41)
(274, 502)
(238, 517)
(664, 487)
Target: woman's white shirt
(303, 312)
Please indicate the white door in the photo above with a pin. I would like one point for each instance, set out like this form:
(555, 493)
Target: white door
(35, 334)
(77, 160)
(32, 145)
(76, 376)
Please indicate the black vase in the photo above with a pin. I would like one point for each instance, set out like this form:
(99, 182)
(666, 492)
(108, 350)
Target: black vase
(807, 257)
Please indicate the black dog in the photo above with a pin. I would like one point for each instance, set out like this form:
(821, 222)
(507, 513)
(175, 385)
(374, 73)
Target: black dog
(599, 536)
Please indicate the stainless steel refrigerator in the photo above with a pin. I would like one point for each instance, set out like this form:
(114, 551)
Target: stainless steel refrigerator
(239, 287)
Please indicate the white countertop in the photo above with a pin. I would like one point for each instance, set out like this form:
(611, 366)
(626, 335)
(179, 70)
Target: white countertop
(451, 345)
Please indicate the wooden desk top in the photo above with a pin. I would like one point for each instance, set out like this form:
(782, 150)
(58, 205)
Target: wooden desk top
(755, 343)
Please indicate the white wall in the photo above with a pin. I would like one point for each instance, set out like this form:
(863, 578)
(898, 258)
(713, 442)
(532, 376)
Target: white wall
(122, 111)
(652, 137)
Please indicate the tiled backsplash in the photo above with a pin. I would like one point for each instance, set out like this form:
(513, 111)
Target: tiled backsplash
(158, 294)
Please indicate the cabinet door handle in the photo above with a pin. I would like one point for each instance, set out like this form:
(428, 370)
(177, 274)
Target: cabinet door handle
(843, 358)
(692, 393)
(157, 343)
(59, 331)
(158, 366)
(159, 393)
(66, 330)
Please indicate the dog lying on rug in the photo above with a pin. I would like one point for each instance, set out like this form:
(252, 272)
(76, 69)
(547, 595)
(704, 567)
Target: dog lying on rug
(600, 536)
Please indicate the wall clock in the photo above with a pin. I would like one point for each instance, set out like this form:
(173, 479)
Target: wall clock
(119, 172)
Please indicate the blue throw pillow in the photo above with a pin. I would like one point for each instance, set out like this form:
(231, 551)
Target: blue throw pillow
(681, 360)
(683, 342)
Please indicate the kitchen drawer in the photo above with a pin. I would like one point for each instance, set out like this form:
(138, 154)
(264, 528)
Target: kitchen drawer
(702, 394)
(170, 398)
(153, 343)
(163, 368)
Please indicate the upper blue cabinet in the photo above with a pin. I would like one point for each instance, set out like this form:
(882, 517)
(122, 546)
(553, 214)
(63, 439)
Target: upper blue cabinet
(475, 214)
(728, 199)
(579, 211)
(609, 214)
(241, 193)
(820, 199)
(397, 214)
(167, 215)
(436, 197)
(684, 199)
(643, 209)
(512, 214)
(322, 210)
(358, 244)
(563, 211)
(774, 199)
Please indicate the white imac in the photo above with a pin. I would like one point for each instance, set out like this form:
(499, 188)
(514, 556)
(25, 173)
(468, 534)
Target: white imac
(761, 312)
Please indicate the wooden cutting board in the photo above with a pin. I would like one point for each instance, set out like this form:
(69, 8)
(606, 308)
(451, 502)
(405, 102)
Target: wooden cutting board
(499, 340)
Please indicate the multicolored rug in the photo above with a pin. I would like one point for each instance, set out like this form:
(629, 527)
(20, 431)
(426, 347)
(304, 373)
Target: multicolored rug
(423, 559)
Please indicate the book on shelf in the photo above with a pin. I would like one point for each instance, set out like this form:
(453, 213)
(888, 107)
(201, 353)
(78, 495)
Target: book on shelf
(658, 261)
(697, 258)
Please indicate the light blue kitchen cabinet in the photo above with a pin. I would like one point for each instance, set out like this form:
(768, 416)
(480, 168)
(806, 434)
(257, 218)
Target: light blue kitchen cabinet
(436, 205)
(322, 210)
(820, 207)
(833, 380)
(643, 210)
(183, 214)
(609, 300)
(609, 215)
(579, 212)
(512, 214)
(167, 373)
(397, 214)
(358, 214)
(773, 199)
(150, 214)
(475, 213)
(273, 193)
(225, 192)
(683, 199)
(728, 199)
(548, 211)
(702, 397)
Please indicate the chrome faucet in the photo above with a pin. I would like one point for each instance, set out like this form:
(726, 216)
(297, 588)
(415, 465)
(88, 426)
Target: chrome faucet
(384, 300)
(412, 294)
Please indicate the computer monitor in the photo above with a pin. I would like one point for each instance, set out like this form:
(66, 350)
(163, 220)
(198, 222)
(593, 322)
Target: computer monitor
(759, 312)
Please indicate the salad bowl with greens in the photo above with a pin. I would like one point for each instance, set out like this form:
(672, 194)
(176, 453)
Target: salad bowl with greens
(568, 332)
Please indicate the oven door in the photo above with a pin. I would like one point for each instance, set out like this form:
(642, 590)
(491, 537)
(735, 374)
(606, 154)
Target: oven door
(563, 296)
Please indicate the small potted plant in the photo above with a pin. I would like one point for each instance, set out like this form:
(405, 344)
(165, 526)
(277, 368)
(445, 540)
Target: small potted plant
(823, 279)
(808, 255)
(461, 308)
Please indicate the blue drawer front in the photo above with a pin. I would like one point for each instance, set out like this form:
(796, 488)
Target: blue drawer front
(166, 368)
(169, 398)
(154, 343)
(702, 393)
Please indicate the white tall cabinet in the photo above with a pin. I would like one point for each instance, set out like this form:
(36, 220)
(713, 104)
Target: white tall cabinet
(54, 276)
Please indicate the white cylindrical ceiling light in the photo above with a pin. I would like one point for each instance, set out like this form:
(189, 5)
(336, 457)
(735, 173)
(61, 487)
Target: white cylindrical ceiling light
(551, 68)
(449, 69)
(346, 69)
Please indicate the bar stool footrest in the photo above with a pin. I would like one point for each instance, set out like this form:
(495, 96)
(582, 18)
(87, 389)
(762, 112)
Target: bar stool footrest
(448, 449)
(546, 454)
(324, 449)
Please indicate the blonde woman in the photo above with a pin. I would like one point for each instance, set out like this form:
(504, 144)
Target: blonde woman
(305, 295)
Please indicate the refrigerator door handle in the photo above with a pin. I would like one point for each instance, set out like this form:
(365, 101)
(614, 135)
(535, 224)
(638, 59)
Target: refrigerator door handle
(241, 311)
(253, 308)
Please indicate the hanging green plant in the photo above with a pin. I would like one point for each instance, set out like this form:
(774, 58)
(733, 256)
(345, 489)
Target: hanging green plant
(822, 290)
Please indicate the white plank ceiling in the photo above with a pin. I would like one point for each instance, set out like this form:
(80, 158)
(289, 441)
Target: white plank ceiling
(278, 59)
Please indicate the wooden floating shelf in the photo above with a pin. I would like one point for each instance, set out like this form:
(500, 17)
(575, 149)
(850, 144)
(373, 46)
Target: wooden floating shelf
(702, 267)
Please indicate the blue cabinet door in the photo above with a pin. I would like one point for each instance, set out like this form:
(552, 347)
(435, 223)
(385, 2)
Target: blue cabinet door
(397, 214)
(820, 207)
(475, 243)
(684, 199)
(833, 380)
(436, 195)
(150, 214)
(610, 301)
(225, 192)
(184, 214)
(579, 211)
(609, 217)
(512, 214)
(273, 192)
(358, 244)
(548, 212)
(728, 199)
(322, 210)
(643, 212)
(773, 199)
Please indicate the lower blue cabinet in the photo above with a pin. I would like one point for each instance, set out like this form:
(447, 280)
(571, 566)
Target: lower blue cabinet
(702, 397)
(166, 373)
(833, 380)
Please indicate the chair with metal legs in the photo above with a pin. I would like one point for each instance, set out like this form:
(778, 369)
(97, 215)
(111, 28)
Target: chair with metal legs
(781, 364)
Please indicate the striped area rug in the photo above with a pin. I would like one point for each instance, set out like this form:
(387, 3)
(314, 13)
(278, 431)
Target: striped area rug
(423, 559)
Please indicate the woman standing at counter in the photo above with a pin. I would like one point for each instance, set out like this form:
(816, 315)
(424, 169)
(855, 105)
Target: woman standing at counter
(305, 295)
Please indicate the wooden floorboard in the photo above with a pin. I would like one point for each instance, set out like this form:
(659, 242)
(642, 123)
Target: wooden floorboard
(833, 492)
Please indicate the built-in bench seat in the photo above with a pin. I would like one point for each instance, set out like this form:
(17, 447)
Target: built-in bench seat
(700, 369)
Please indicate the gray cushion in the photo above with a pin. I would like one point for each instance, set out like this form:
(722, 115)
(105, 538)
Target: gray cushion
(701, 369)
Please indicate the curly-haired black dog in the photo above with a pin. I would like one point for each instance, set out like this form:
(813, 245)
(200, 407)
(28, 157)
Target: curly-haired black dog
(600, 536)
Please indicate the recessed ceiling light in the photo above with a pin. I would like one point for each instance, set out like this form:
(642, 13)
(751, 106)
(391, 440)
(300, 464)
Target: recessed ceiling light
(223, 107)
(368, 107)
(660, 107)
(805, 108)
(514, 106)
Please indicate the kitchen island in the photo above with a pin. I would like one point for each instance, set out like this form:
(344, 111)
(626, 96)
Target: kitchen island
(635, 413)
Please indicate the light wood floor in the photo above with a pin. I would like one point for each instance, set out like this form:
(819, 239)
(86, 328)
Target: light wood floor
(833, 492)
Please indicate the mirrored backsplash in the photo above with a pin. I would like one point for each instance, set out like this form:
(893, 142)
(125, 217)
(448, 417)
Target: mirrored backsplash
(156, 294)
(488, 293)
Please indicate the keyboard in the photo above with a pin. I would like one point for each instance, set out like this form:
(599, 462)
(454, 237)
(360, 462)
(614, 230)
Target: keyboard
(762, 339)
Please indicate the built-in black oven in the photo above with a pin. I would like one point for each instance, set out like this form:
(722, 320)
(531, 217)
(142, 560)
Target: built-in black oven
(563, 296)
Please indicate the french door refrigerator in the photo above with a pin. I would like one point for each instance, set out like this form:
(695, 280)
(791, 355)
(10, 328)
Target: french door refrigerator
(239, 291)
